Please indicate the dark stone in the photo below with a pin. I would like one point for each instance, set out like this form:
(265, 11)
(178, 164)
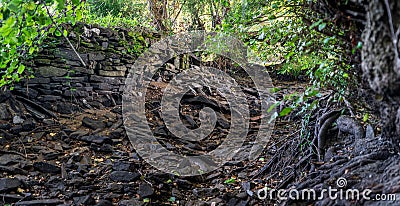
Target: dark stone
(64, 108)
(116, 187)
(71, 55)
(11, 197)
(369, 132)
(3, 141)
(191, 122)
(232, 202)
(242, 203)
(45, 167)
(101, 148)
(72, 63)
(200, 100)
(350, 125)
(104, 45)
(8, 184)
(161, 131)
(209, 192)
(92, 123)
(222, 121)
(117, 110)
(108, 103)
(47, 202)
(27, 92)
(124, 176)
(122, 166)
(112, 73)
(130, 202)
(39, 80)
(16, 129)
(115, 134)
(75, 93)
(10, 159)
(4, 113)
(47, 98)
(84, 200)
(96, 139)
(102, 86)
(70, 79)
(51, 71)
(103, 203)
(78, 134)
(28, 125)
(96, 56)
(145, 190)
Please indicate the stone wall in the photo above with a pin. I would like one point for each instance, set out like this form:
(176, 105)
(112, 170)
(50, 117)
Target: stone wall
(63, 84)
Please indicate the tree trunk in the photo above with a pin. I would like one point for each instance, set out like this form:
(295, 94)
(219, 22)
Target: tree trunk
(379, 57)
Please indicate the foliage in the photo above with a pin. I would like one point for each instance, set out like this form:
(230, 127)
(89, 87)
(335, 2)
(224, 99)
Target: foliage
(24, 25)
(117, 13)
(284, 36)
(289, 36)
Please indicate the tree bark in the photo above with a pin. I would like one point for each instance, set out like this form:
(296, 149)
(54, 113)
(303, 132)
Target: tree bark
(379, 63)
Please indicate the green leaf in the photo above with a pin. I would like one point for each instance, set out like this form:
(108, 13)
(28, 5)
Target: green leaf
(21, 69)
(230, 181)
(359, 45)
(30, 6)
(273, 107)
(65, 33)
(271, 17)
(146, 200)
(172, 199)
(321, 26)
(57, 32)
(326, 40)
(60, 4)
(365, 118)
(316, 24)
(76, 2)
(285, 111)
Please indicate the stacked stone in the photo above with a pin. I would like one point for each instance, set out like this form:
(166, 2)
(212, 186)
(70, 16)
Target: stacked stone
(63, 83)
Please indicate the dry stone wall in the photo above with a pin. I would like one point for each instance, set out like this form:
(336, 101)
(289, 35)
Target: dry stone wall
(63, 84)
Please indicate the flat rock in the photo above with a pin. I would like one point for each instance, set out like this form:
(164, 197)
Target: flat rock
(92, 123)
(350, 125)
(47, 202)
(103, 203)
(28, 125)
(45, 167)
(122, 166)
(130, 202)
(8, 184)
(145, 190)
(124, 176)
(369, 132)
(4, 113)
(97, 139)
(9, 159)
(17, 120)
